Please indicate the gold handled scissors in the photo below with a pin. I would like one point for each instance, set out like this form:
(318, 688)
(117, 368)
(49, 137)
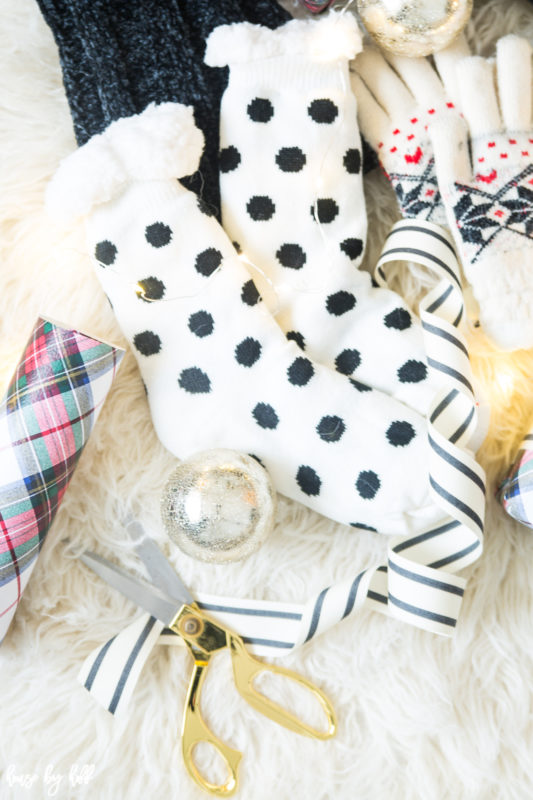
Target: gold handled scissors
(168, 599)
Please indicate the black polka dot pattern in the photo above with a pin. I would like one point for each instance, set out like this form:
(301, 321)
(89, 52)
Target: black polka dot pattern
(340, 302)
(300, 371)
(248, 352)
(308, 481)
(400, 433)
(291, 159)
(291, 256)
(352, 161)
(105, 252)
(347, 361)
(158, 234)
(352, 247)
(229, 159)
(412, 372)
(201, 323)
(330, 429)
(367, 484)
(323, 111)
(325, 211)
(150, 289)
(361, 387)
(249, 294)
(208, 261)
(147, 343)
(399, 319)
(296, 336)
(194, 381)
(260, 110)
(260, 208)
(265, 416)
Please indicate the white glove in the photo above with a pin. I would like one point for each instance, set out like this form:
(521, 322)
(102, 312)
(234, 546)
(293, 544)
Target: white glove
(485, 174)
(397, 99)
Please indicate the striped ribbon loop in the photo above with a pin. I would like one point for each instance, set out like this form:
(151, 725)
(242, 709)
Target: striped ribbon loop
(418, 584)
(456, 479)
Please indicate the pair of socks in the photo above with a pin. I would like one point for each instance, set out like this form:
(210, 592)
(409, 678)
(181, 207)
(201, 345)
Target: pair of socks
(331, 394)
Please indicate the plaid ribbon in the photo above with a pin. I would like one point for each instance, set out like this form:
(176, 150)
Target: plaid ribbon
(46, 417)
(516, 492)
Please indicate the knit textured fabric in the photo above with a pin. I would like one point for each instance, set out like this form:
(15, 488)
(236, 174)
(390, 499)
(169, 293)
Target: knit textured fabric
(118, 57)
(293, 204)
(211, 354)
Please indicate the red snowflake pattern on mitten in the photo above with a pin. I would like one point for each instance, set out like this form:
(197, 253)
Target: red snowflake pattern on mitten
(485, 171)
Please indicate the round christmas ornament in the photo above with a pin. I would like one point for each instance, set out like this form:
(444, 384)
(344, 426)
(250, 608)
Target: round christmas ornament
(414, 27)
(218, 506)
(316, 6)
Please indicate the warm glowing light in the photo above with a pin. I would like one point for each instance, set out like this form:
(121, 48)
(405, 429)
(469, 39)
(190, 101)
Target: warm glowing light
(505, 380)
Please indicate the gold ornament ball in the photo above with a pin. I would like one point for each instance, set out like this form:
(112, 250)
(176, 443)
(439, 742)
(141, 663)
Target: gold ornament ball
(218, 506)
(414, 27)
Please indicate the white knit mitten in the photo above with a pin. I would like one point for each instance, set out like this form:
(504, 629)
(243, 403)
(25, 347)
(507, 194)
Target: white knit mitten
(292, 199)
(489, 194)
(397, 98)
(218, 370)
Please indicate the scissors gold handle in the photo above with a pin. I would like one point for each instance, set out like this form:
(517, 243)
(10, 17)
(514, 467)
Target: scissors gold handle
(204, 638)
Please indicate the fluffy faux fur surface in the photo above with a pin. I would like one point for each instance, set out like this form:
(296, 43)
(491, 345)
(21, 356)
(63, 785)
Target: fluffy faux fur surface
(420, 717)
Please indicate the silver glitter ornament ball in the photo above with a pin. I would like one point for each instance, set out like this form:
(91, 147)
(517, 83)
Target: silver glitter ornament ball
(414, 27)
(218, 506)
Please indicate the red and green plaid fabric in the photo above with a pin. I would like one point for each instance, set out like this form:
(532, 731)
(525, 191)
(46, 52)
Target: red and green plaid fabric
(46, 417)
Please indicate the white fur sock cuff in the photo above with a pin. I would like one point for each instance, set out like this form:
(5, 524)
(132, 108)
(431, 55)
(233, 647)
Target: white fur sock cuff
(301, 51)
(160, 143)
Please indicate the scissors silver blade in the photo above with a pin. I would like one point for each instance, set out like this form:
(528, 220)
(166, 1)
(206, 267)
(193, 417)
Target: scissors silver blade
(159, 570)
(140, 592)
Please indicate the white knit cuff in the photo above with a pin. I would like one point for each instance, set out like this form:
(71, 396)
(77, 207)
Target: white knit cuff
(503, 286)
(161, 143)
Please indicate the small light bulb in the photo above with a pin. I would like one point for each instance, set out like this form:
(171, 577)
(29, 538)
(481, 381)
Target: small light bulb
(505, 380)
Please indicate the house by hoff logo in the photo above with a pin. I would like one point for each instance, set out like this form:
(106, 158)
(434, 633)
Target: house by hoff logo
(52, 780)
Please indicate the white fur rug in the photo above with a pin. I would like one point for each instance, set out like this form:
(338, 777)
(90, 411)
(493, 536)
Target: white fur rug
(419, 716)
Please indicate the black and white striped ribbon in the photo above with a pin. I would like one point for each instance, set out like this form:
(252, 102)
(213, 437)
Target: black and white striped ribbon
(418, 583)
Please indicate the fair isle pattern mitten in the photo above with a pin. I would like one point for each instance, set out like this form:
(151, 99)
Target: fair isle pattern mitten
(117, 57)
(487, 188)
(218, 370)
(292, 200)
(397, 98)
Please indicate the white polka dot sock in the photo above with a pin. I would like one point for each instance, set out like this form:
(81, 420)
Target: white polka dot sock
(218, 370)
(292, 199)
